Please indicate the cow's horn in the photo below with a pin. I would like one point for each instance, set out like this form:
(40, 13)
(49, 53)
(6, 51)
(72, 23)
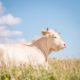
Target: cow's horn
(47, 29)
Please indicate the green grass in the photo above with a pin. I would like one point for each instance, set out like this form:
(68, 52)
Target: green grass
(59, 70)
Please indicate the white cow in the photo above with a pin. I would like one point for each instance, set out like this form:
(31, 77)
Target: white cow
(34, 53)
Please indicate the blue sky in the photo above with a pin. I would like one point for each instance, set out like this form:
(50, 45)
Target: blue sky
(35, 15)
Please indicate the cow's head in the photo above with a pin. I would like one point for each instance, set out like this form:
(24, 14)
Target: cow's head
(54, 40)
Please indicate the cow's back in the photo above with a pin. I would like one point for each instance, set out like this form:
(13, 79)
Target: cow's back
(17, 54)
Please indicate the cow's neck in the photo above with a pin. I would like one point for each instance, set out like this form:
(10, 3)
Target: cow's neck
(42, 44)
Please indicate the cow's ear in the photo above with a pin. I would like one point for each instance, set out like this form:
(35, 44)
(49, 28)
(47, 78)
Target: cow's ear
(45, 32)
(47, 29)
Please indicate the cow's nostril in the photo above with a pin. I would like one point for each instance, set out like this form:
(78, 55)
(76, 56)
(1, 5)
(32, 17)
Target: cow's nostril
(65, 45)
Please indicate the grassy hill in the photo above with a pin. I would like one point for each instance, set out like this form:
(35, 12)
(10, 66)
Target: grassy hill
(59, 70)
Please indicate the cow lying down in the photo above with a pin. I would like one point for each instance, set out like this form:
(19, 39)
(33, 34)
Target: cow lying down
(35, 53)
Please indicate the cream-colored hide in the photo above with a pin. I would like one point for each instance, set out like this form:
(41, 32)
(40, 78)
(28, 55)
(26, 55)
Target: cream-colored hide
(34, 53)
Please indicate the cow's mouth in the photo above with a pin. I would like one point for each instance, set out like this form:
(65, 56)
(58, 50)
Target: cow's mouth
(58, 48)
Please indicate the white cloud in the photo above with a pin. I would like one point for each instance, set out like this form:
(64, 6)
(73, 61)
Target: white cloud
(16, 32)
(5, 32)
(9, 19)
(2, 28)
(21, 40)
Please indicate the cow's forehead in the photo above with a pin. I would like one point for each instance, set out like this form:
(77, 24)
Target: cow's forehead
(53, 32)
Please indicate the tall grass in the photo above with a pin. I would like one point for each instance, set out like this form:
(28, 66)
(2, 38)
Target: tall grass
(59, 70)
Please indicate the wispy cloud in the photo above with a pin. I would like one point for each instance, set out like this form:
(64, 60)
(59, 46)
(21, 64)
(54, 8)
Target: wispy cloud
(2, 28)
(22, 40)
(7, 33)
(9, 19)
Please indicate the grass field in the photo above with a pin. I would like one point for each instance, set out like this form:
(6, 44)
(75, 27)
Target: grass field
(59, 70)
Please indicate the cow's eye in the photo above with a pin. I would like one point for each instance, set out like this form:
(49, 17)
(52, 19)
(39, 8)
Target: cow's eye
(54, 37)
